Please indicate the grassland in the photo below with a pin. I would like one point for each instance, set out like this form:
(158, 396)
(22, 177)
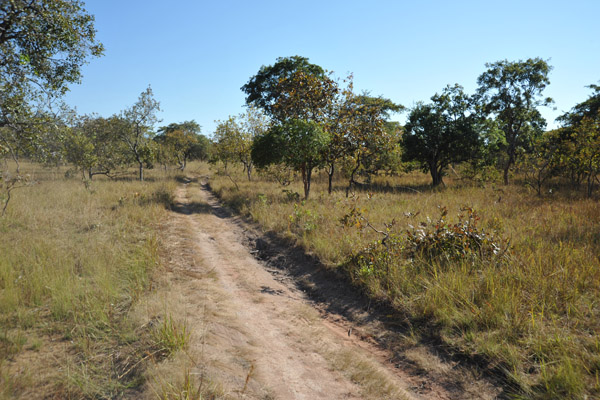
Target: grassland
(533, 314)
(76, 259)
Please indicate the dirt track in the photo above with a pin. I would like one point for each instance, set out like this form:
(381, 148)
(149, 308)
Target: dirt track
(262, 337)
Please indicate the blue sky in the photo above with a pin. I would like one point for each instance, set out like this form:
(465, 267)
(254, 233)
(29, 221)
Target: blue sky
(197, 54)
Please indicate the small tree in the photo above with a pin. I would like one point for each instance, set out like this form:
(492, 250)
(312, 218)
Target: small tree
(234, 138)
(141, 118)
(442, 132)
(296, 143)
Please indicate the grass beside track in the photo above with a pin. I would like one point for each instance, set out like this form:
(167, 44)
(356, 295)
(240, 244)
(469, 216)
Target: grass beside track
(535, 316)
(75, 259)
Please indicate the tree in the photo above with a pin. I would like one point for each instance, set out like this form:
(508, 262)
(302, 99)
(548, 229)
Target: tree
(296, 143)
(93, 145)
(234, 138)
(43, 44)
(511, 91)
(183, 141)
(441, 132)
(579, 140)
(141, 118)
(292, 88)
(367, 140)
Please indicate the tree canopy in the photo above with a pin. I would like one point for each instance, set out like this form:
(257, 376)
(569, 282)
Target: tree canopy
(43, 44)
(290, 88)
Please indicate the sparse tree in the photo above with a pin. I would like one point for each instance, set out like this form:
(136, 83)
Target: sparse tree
(141, 118)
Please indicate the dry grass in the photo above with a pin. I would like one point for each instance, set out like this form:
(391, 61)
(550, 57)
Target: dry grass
(536, 316)
(75, 259)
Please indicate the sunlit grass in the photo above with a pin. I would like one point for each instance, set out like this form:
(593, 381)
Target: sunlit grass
(74, 260)
(536, 316)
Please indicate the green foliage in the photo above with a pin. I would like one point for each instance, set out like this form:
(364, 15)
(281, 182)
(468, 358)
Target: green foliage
(447, 243)
(291, 88)
(234, 138)
(302, 220)
(431, 242)
(93, 145)
(511, 91)
(588, 108)
(182, 142)
(442, 132)
(43, 44)
(369, 143)
(296, 143)
(141, 117)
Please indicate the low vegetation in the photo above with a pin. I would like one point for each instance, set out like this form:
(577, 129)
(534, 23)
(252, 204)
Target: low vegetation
(492, 271)
(75, 261)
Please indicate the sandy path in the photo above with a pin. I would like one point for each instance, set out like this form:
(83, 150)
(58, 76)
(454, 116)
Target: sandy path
(267, 341)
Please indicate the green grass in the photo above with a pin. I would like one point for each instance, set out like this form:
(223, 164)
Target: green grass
(74, 260)
(535, 315)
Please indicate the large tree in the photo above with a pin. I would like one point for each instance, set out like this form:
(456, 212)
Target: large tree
(441, 132)
(298, 97)
(511, 91)
(43, 44)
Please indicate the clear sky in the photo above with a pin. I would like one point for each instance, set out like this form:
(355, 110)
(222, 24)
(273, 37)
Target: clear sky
(197, 54)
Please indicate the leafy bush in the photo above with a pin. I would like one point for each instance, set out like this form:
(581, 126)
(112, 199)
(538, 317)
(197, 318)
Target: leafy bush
(443, 242)
(430, 245)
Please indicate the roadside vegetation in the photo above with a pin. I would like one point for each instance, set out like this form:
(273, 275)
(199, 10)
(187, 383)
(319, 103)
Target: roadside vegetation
(490, 270)
(75, 261)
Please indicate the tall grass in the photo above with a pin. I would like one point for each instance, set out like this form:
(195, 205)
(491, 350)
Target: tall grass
(74, 259)
(535, 316)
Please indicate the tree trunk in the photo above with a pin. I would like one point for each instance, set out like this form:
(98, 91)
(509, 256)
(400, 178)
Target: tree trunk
(351, 181)
(141, 167)
(512, 148)
(436, 176)
(308, 179)
(506, 169)
(330, 173)
(305, 180)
